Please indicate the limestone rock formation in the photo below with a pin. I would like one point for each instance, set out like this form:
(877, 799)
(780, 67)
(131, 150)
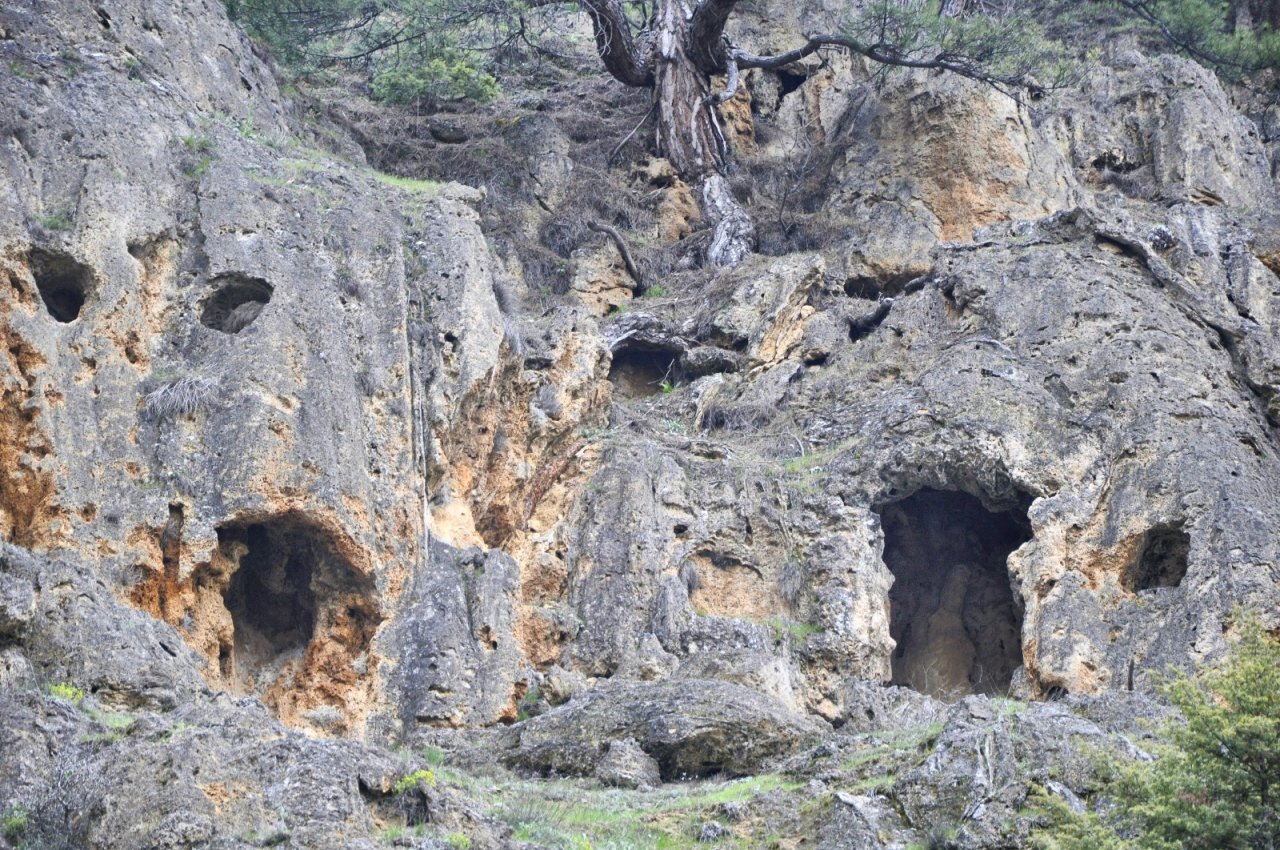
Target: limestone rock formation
(301, 463)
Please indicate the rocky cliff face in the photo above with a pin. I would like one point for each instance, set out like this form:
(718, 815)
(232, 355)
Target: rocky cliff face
(298, 462)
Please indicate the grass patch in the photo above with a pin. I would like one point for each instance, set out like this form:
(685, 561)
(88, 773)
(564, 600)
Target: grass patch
(409, 184)
(581, 814)
(66, 692)
(60, 220)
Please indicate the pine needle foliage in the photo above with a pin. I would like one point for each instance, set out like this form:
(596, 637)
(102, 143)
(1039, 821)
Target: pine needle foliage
(1234, 38)
(1214, 784)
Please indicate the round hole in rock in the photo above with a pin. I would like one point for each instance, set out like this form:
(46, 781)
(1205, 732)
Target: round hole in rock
(235, 302)
(1161, 559)
(301, 615)
(952, 611)
(64, 283)
(639, 372)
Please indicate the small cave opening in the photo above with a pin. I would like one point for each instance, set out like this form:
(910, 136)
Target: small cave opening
(953, 614)
(64, 283)
(1161, 559)
(637, 372)
(302, 616)
(235, 302)
(789, 82)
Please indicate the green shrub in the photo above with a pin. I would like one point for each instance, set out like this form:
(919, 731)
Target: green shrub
(410, 781)
(66, 691)
(13, 822)
(1214, 783)
(436, 80)
(60, 220)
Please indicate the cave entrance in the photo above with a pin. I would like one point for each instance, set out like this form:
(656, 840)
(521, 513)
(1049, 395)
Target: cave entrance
(302, 617)
(235, 302)
(272, 604)
(637, 372)
(952, 611)
(63, 282)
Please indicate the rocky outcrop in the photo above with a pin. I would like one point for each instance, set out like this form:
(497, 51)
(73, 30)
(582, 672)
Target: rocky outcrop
(690, 728)
(292, 451)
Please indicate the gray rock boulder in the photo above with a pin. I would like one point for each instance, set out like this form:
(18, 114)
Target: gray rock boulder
(690, 728)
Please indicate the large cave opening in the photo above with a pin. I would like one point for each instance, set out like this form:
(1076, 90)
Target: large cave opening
(302, 617)
(272, 604)
(953, 615)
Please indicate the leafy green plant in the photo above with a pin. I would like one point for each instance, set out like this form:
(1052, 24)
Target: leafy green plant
(413, 780)
(798, 632)
(1217, 34)
(428, 187)
(656, 291)
(443, 78)
(459, 841)
(527, 702)
(199, 167)
(435, 756)
(197, 144)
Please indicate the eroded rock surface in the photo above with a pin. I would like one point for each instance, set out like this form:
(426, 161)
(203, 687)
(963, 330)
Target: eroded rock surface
(292, 453)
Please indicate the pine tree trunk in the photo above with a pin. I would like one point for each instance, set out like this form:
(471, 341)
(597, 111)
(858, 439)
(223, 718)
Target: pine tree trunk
(688, 133)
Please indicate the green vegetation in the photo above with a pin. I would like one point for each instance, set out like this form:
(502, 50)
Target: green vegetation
(458, 841)
(66, 692)
(1213, 784)
(14, 822)
(197, 144)
(199, 167)
(413, 780)
(60, 220)
(527, 702)
(429, 187)
(784, 627)
(1235, 38)
(563, 813)
(434, 755)
(416, 52)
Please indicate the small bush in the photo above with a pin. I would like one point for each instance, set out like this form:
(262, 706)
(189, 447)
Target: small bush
(439, 79)
(13, 822)
(67, 692)
(180, 397)
(414, 780)
(60, 220)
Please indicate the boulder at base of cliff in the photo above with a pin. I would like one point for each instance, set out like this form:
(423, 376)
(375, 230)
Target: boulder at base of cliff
(691, 728)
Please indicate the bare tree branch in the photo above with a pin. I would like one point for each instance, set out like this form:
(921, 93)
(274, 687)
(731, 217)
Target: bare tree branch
(706, 31)
(626, 60)
(885, 54)
(624, 250)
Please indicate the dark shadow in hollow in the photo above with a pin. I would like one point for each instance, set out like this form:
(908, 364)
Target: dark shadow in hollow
(952, 611)
(638, 372)
(1161, 559)
(291, 587)
(64, 283)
